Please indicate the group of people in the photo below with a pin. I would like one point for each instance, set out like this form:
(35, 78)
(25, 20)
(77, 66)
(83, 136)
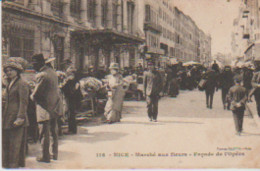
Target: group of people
(237, 84)
(46, 96)
(15, 119)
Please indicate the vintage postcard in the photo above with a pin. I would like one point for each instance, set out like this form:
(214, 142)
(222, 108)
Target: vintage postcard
(130, 84)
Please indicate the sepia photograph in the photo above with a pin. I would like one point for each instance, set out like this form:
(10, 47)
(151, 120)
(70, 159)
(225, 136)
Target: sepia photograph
(130, 84)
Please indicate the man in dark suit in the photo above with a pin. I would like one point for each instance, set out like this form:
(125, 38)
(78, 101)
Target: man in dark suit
(211, 86)
(226, 82)
(49, 106)
(152, 88)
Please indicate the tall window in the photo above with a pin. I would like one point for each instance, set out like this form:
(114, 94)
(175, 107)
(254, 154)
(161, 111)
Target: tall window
(104, 12)
(91, 11)
(115, 14)
(130, 16)
(75, 8)
(22, 43)
(147, 13)
(56, 7)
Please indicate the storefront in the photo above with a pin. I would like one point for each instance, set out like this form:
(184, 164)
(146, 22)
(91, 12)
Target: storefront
(106, 46)
(25, 34)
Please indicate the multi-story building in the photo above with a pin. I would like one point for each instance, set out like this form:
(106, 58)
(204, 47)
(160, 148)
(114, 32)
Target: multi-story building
(204, 48)
(169, 32)
(89, 32)
(97, 32)
(246, 34)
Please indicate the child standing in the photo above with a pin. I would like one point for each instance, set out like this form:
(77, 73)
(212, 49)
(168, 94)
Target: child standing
(237, 96)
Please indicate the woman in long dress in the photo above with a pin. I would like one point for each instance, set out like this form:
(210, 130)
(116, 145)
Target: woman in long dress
(14, 117)
(116, 87)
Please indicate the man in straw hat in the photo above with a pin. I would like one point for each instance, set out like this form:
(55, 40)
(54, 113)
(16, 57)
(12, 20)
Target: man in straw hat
(152, 88)
(49, 106)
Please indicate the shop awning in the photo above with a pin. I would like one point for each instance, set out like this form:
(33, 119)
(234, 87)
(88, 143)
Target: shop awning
(111, 36)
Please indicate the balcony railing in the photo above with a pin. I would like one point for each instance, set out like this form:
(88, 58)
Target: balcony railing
(148, 25)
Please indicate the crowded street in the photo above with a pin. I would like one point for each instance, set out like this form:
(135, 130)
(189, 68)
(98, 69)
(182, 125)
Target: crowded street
(184, 125)
(114, 84)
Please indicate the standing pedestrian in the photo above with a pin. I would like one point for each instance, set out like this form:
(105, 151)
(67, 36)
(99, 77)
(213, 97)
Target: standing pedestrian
(226, 81)
(211, 84)
(256, 86)
(116, 92)
(238, 97)
(73, 98)
(152, 88)
(247, 78)
(174, 85)
(49, 106)
(14, 117)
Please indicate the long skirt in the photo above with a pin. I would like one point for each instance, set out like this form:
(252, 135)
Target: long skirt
(14, 147)
(114, 105)
(173, 88)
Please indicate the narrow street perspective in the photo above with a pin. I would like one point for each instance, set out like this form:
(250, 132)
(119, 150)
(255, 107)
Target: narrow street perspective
(130, 84)
(184, 125)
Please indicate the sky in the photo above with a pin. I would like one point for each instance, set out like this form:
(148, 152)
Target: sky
(214, 17)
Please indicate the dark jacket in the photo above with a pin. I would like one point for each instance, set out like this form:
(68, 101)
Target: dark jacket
(212, 80)
(46, 92)
(247, 78)
(153, 83)
(237, 94)
(226, 79)
(17, 99)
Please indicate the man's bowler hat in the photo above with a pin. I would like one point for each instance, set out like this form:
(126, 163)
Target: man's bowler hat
(38, 58)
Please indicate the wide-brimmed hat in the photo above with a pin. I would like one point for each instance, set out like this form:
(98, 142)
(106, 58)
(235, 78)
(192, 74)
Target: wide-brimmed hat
(114, 66)
(14, 65)
(23, 62)
(50, 60)
(18, 63)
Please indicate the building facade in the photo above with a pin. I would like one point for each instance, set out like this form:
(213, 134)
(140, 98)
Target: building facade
(246, 32)
(98, 32)
(204, 48)
(170, 33)
(89, 32)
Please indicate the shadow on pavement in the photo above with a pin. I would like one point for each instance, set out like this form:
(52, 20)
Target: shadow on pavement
(249, 134)
(96, 137)
(142, 123)
(66, 155)
(181, 122)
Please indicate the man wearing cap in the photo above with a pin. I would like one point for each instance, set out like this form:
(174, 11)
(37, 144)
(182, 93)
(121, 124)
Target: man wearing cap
(49, 106)
(237, 96)
(152, 88)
